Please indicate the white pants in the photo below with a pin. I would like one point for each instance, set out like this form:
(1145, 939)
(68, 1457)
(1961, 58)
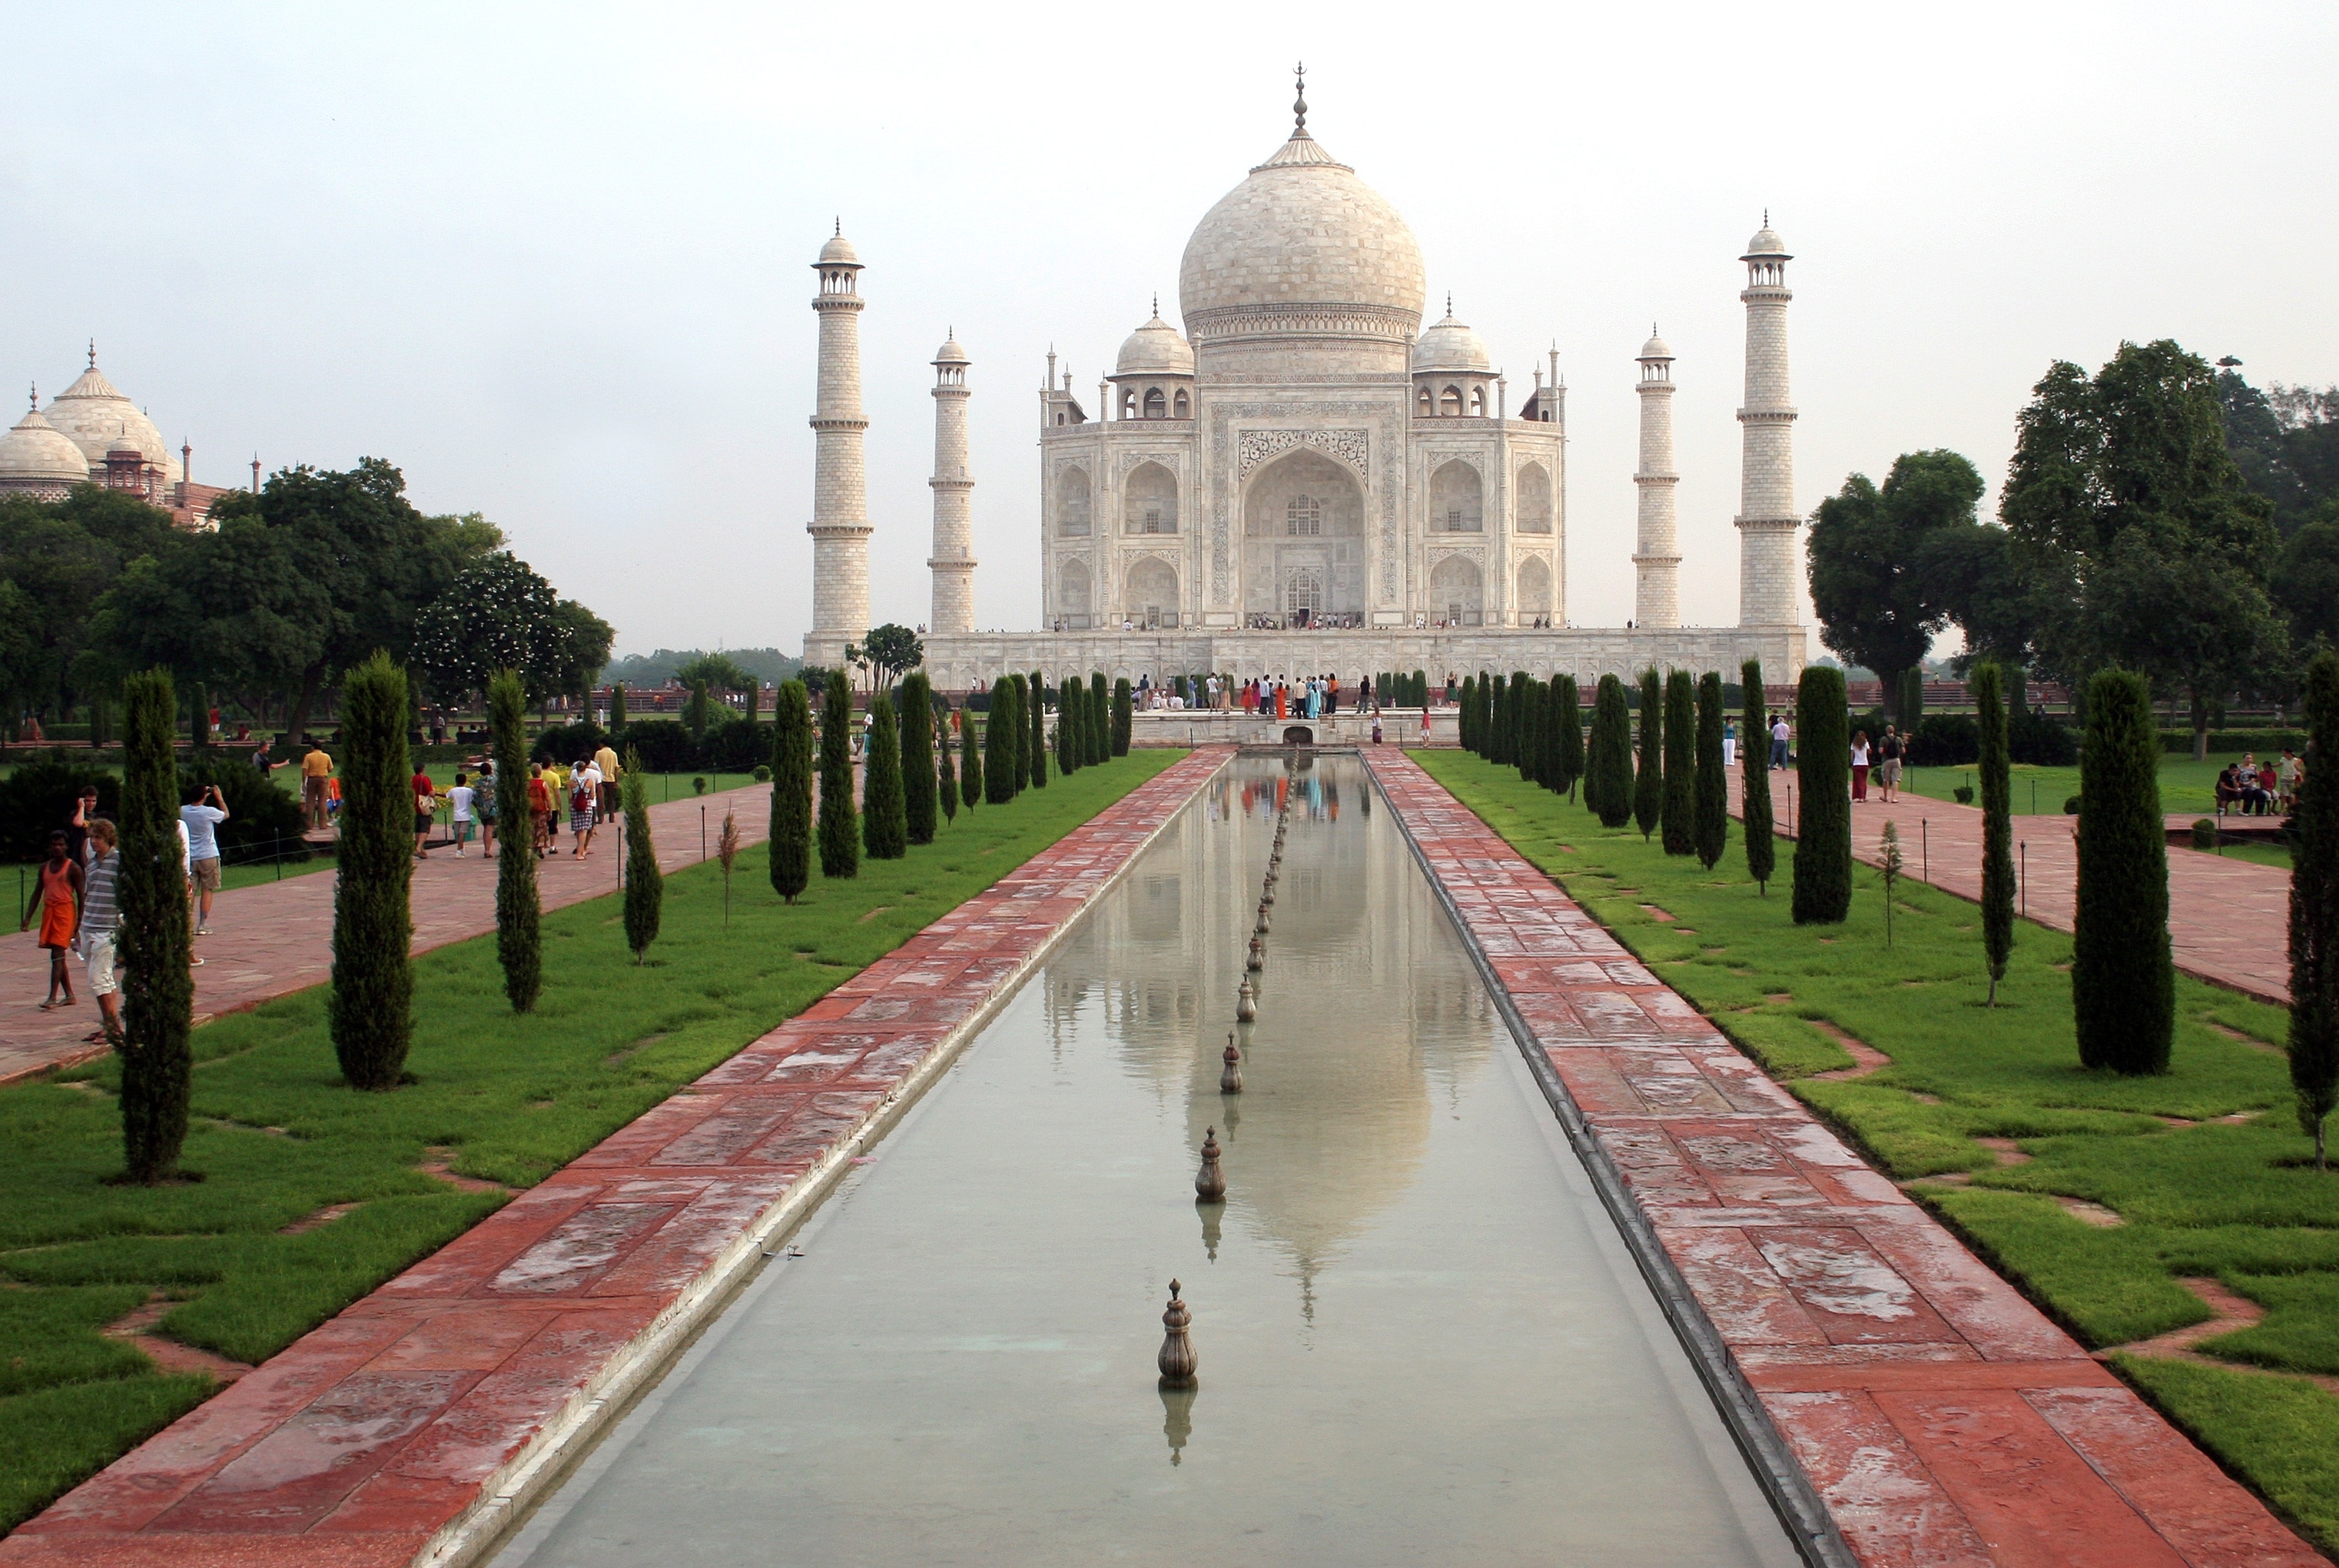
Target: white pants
(1728, 753)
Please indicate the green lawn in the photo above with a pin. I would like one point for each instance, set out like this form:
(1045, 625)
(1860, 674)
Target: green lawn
(277, 1137)
(2197, 1195)
(2185, 784)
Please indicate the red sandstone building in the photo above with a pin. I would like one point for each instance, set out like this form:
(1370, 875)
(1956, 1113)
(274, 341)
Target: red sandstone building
(91, 434)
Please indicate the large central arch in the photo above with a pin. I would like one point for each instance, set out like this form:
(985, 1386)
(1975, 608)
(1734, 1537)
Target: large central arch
(1303, 516)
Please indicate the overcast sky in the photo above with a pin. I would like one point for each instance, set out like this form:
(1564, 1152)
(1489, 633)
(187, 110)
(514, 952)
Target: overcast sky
(555, 262)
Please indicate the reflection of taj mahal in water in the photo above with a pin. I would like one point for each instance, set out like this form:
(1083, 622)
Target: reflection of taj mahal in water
(1305, 480)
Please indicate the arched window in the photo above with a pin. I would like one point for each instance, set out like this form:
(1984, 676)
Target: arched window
(1456, 500)
(1457, 591)
(1183, 411)
(1303, 589)
(1153, 593)
(1072, 502)
(1428, 404)
(1305, 515)
(1534, 588)
(1535, 499)
(1156, 406)
(1149, 500)
(1478, 402)
(1072, 593)
(1450, 404)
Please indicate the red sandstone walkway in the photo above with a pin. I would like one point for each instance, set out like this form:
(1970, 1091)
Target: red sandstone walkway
(407, 1428)
(278, 937)
(1941, 1418)
(2228, 920)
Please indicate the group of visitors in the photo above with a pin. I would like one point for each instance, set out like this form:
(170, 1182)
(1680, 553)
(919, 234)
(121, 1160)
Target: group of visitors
(2252, 788)
(585, 793)
(1883, 758)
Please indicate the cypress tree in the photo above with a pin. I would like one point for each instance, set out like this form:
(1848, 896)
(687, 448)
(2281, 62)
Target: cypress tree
(158, 994)
(617, 709)
(520, 912)
(645, 883)
(1648, 782)
(840, 823)
(791, 847)
(1099, 703)
(1552, 772)
(1469, 725)
(1039, 747)
(1711, 833)
(970, 786)
(2123, 982)
(2314, 913)
(1823, 868)
(1498, 747)
(945, 775)
(1910, 708)
(755, 695)
(1019, 734)
(885, 831)
(370, 1008)
(1608, 771)
(199, 724)
(1483, 722)
(1534, 732)
(698, 712)
(1121, 717)
(999, 724)
(918, 757)
(1678, 815)
(1754, 769)
(1070, 728)
(1420, 690)
(1571, 735)
(1987, 687)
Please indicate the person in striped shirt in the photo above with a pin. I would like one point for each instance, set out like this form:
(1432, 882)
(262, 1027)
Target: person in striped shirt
(100, 919)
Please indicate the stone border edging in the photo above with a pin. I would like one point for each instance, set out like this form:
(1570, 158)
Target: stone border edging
(1783, 1482)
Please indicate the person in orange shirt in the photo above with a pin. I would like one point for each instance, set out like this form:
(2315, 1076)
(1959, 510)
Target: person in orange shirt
(539, 808)
(60, 907)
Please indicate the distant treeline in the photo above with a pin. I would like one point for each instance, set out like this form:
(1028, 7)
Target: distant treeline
(656, 669)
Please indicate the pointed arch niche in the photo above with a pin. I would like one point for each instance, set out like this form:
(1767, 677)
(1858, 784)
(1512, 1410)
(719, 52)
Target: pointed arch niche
(1535, 499)
(1149, 500)
(1304, 515)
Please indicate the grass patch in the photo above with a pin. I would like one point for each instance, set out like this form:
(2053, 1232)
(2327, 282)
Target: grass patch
(2202, 1164)
(2185, 784)
(277, 1137)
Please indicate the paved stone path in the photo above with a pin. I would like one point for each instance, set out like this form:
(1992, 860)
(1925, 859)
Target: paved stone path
(411, 1425)
(2228, 920)
(278, 937)
(1941, 1418)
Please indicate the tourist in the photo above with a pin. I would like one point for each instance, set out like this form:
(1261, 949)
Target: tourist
(186, 876)
(316, 767)
(1331, 696)
(426, 809)
(1860, 764)
(206, 808)
(1425, 724)
(332, 801)
(77, 824)
(1376, 726)
(1729, 743)
(584, 796)
(556, 784)
(2294, 775)
(539, 809)
(2269, 787)
(1779, 737)
(460, 802)
(483, 805)
(605, 760)
(58, 898)
(99, 919)
(1888, 763)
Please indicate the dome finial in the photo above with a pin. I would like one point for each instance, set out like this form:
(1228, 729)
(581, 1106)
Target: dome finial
(840, 225)
(92, 353)
(1449, 301)
(1300, 98)
(1156, 302)
(36, 394)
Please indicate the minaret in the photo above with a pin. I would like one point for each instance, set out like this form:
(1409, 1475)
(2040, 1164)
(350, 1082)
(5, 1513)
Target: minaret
(1767, 519)
(952, 563)
(1656, 595)
(840, 493)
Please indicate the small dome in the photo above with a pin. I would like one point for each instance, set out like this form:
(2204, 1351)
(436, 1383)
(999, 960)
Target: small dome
(1766, 243)
(839, 253)
(1155, 349)
(1656, 348)
(1451, 346)
(99, 419)
(37, 452)
(949, 353)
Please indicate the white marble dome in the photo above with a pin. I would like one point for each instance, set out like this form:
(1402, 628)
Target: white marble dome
(1155, 349)
(1766, 243)
(98, 418)
(839, 253)
(36, 452)
(1450, 346)
(1655, 348)
(949, 353)
(1301, 231)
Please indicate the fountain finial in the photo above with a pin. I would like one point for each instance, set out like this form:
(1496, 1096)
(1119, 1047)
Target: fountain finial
(1230, 1080)
(1209, 1182)
(1176, 1361)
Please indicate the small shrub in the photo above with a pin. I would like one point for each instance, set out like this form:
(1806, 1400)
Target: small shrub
(2071, 805)
(699, 785)
(763, 773)
(2204, 833)
(1962, 795)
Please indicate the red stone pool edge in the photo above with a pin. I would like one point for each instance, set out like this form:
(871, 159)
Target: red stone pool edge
(1942, 1418)
(407, 1429)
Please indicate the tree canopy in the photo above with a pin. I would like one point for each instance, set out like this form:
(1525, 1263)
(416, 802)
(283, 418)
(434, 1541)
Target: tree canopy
(1877, 604)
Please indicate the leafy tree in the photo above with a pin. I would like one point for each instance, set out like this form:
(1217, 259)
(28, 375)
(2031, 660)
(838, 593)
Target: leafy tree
(893, 650)
(698, 712)
(971, 785)
(2306, 580)
(370, 1008)
(645, 884)
(1001, 733)
(1678, 815)
(1649, 783)
(883, 831)
(158, 994)
(519, 909)
(1823, 868)
(715, 672)
(1571, 735)
(791, 850)
(1985, 686)
(500, 615)
(918, 776)
(1711, 835)
(1121, 717)
(1754, 771)
(1608, 771)
(2192, 618)
(1878, 606)
(1036, 750)
(2286, 442)
(1071, 727)
(2122, 981)
(840, 823)
(2314, 913)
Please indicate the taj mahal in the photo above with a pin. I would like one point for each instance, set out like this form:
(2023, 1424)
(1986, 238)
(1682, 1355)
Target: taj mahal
(1303, 480)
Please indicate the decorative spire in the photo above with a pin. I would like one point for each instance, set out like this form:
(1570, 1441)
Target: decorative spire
(36, 394)
(1300, 98)
(92, 353)
(1449, 304)
(840, 225)
(1157, 305)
